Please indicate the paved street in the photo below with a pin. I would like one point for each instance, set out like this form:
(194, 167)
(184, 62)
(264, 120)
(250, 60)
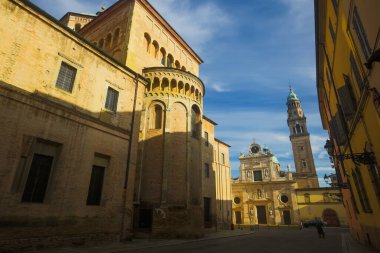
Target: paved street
(264, 241)
(237, 241)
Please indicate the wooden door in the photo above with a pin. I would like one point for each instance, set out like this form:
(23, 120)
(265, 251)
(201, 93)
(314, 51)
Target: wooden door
(261, 215)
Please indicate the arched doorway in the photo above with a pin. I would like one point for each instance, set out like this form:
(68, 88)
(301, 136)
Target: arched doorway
(331, 218)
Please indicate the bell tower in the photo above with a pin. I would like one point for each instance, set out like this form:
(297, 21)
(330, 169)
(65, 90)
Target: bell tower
(305, 175)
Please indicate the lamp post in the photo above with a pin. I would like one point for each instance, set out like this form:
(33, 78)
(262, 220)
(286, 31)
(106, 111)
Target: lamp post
(366, 158)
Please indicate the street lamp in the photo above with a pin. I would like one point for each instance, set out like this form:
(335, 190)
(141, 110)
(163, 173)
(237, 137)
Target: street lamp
(366, 158)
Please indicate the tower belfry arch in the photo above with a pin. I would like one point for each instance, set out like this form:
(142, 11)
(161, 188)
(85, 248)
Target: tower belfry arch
(305, 174)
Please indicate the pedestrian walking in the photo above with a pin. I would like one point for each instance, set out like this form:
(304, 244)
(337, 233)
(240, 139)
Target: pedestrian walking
(320, 231)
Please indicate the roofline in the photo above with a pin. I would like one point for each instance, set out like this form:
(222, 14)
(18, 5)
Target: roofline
(317, 189)
(78, 36)
(209, 120)
(78, 14)
(217, 140)
(170, 28)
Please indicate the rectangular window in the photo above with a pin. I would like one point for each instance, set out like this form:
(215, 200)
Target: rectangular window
(363, 197)
(332, 31)
(207, 210)
(337, 129)
(206, 139)
(207, 170)
(303, 164)
(360, 32)
(335, 5)
(66, 77)
(328, 77)
(96, 185)
(258, 176)
(223, 159)
(38, 179)
(347, 98)
(355, 70)
(111, 101)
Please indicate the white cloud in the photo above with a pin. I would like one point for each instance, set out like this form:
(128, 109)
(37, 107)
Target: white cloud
(325, 169)
(219, 87)
(197, 23)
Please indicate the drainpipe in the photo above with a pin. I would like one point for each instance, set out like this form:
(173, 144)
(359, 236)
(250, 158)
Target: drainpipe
(126, 235)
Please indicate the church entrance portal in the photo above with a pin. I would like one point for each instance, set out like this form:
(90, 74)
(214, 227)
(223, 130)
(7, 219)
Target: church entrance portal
(238, 217)
(287, 220)
(261, 215)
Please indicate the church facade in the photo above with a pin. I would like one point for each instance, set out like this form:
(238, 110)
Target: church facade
(263, 194)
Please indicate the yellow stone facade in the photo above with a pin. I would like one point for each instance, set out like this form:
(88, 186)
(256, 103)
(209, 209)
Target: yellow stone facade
(263, 194)
(125, 138)
(348, 74)
(324, 203)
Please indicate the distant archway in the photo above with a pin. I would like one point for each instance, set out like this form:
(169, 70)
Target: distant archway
(330, 217)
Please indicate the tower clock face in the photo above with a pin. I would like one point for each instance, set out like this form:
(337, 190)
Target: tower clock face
(254, 149)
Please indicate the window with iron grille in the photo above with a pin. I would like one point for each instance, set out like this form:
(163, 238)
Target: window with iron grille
(206, 139)
(111, 101)
(66, 77)
(207, 170)
(355, 70)
(360, 32)
(363, 197)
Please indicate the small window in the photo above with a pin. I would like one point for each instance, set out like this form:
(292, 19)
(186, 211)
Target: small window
(207, 170)
(307, 197)
(258, 176)
(332, 31)
(96, 185)
(223, 159)
(207, 209)
(360, 32)
(66, 77)
(301, 148)
(38, 179)
(304, 164)
(111, 101)
(116, 37)
(237, 200)
(77, 27)
(206, 139)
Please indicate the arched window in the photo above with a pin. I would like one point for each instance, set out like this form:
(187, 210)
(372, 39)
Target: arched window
(156, 117)
(192, 91)
(163, 56)
(177, 64)
(173, 85)
(187, 89)
(116, 35)
(147, 41)
(195, 122)
(101, 43)
(156, 84)
(77, 27)
(307, 197)
(170, 61)
(183, 68)
(165, 85)
(298, 128)
(196, 95)
(180, 87)
(154, 49)
(148, 87)
(108, 40)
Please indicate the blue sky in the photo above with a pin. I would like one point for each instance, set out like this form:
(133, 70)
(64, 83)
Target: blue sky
(252, 51)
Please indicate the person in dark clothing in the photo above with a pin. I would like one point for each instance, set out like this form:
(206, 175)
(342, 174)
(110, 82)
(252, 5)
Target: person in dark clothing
(320, 231)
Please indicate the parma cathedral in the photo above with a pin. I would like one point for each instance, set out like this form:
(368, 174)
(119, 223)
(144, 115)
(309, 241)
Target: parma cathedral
(104, 135)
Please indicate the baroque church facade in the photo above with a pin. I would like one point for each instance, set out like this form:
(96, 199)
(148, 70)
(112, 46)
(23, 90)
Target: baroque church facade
(264, 194)
(108, 136)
